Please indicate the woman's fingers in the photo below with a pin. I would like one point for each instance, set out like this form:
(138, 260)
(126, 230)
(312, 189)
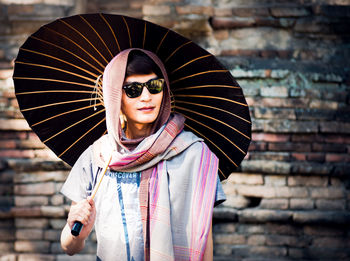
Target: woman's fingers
(82, 211)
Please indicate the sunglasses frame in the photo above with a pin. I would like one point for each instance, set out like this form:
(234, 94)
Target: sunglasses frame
(140, 87)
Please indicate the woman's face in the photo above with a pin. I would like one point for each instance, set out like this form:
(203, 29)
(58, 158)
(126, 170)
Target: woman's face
(142, 110)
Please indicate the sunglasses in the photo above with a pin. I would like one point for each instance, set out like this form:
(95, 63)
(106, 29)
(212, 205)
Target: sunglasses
(134, 90)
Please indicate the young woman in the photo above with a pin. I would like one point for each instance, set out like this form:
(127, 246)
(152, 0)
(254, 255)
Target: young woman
(157, 197)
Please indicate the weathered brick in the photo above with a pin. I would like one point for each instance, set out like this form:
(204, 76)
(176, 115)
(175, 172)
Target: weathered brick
(274, 203)
(52, 235)
(32, 246)
(6, 189)
(57, 249)
(274, 113)
(268, 251)
(230, 239)
(274, 91)
(223, 250)
(287, 126)
(335, 127)
(301, 203)
(330, 242)
(14, 125)
(272, 22)
(250, 11)
(318, 230)
(47, 188)
(40, 176)
(7, 135)
(52, 211)
(332, 157)
(7, 234)
(307, 181)
(289, 11)
(29, 234)
(281, 240)
(331, 204)
(327, 193)
(291, 192)
(36, 257)
(31, 223)
(31, 201)
(7, 144)
(20, 9)
(334, 10)
(219, 11)
(224, 228)
(6, 247)
(336, 182)
(257, 191)
(314, 114)
(281, 102)
(321, 217)
(257, 146)
(58, 223)
(45, 154)
(267, 156)
(289, 146)
(237, 202)
(270, 137)
(316, 157)
(230, 23)
(324, 105)
(26, 211)
(274, 180)
(156, 10)
(298, 156)
(342, 139)
(273, 167)
(17, 153)
(8, 257)
(264, 215)
(221, 35)
(249, 179)
(225, 214)
(30, 144)
(282, 229)
(57, 200)
(310, 168)
(248, 229)
(256, 240)
(6, 176)
(329, 147)
(195, 9)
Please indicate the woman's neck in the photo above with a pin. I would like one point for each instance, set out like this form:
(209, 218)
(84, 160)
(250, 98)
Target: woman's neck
(136, 131)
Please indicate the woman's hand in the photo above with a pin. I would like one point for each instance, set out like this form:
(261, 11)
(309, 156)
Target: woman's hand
(83, 211)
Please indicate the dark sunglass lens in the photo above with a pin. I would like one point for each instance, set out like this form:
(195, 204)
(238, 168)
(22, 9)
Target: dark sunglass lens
(156, 86)
(133, 90)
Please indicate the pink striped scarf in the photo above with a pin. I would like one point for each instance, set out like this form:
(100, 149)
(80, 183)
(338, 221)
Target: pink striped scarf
(177, 190)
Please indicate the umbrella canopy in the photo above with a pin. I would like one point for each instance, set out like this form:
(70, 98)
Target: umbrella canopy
(57, 68)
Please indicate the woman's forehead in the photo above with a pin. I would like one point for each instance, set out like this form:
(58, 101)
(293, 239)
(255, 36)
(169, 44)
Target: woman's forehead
(141, 78)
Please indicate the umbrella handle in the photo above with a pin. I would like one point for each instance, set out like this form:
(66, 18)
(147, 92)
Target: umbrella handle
(78, 226)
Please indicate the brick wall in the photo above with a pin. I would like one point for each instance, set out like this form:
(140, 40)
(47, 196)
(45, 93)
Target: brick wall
(290, 198)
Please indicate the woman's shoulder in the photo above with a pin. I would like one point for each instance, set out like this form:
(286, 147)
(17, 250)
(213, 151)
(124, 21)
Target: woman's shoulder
(197, 144)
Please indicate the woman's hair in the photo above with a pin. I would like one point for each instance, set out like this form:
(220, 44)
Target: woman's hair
(140, 63)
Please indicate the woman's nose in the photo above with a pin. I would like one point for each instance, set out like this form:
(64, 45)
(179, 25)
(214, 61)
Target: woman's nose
(145, 95)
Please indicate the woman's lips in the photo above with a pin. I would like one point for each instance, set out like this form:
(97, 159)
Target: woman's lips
(146, 109)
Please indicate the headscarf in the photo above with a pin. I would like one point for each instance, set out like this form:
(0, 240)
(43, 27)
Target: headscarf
(113, 79)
